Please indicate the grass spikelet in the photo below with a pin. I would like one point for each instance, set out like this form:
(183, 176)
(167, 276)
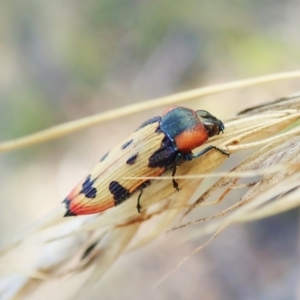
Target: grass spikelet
(58, 248)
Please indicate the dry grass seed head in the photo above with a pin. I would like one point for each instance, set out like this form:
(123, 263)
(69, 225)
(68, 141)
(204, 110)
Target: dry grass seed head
(99, 240)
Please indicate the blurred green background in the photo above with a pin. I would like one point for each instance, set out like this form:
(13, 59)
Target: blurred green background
(62, 60)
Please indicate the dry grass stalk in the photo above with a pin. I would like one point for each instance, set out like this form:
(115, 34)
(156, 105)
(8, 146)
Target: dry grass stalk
(70, 127)
(60, 247)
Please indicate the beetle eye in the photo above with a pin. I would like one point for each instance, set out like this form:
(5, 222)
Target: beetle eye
(212, 128)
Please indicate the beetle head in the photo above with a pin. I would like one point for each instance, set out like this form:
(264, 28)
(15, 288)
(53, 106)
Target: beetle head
(211, 123)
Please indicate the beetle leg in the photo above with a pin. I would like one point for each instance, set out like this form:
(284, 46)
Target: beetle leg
(138, 205)
(141, 188)
(190, 156)
(175, 184)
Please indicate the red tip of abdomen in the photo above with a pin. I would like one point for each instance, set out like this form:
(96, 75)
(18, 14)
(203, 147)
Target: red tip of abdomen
(83, 206)
(78, 204)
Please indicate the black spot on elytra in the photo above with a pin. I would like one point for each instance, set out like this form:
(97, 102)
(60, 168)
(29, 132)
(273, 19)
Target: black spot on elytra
(68, 213)
(103, 157)
(119, 192)
(131, 160)
(87, 188)
(150, 121)
(124, 146)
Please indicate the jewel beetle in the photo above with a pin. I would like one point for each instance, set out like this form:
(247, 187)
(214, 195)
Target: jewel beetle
(159, 145)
